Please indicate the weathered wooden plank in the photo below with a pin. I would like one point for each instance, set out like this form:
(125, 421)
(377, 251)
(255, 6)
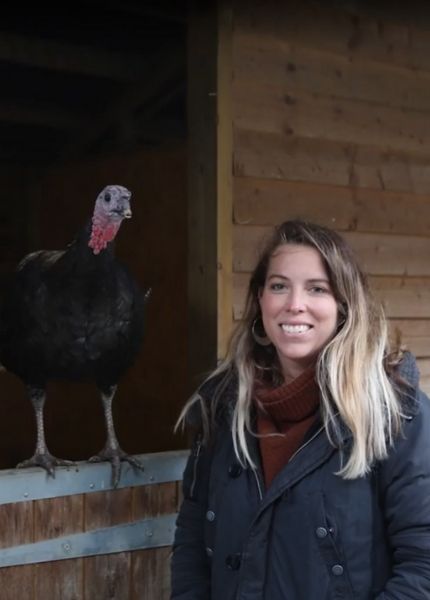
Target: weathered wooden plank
(378, 254)
(403, 298)
(16, 525)
(151, 501)
(278, 109)
(269, 202)
(202, 206)
(52, 518)
(413, 334)
(260, 56)
(277, 156)
(356, 35)
(151, 568)
(108, 508)
(60, 580)
(224, 175)
(151, 574)
(107, 576)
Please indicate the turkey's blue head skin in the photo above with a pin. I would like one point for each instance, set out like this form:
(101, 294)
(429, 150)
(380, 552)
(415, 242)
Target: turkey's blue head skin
(111, 207)
(113, 204)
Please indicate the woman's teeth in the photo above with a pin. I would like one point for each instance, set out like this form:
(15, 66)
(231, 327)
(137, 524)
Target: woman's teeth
(295, 328)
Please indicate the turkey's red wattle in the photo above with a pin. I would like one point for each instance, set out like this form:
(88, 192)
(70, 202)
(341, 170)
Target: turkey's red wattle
(103, 232)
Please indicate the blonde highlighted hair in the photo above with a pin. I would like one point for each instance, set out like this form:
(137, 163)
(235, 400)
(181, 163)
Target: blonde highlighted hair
(351, 370)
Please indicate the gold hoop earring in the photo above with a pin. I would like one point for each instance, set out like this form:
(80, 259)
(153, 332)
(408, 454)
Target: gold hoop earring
(261, 340)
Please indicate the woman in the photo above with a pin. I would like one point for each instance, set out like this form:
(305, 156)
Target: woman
(309, 478)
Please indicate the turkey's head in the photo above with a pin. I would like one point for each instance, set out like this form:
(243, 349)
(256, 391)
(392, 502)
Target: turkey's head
(112, 206)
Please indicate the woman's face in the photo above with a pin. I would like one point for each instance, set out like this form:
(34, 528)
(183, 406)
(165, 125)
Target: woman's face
(298, 307)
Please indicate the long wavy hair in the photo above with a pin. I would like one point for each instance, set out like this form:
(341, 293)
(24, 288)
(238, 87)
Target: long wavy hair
(351, 369)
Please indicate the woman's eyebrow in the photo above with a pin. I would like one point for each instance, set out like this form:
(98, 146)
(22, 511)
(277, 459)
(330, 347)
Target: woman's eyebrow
(311, 280)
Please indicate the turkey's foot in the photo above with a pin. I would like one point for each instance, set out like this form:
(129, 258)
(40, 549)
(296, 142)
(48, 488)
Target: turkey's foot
(46, 461)
(115, 456)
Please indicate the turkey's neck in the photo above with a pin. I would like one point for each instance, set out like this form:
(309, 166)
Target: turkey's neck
(103, 231)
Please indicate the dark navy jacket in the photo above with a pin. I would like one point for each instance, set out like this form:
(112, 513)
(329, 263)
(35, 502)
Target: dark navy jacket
(311, 535)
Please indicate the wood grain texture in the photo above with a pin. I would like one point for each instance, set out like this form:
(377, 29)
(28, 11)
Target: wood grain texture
(351, 33)
(150, 573)
(150, 569)
(269, 202)
(55, 517)
(17, 527)
(378, 254)
(278, 109)
(284, 156)
(261, 56)
(107, 576)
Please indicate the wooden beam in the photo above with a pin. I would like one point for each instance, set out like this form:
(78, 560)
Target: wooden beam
(202, 196)
(71, 58)
(224, 178)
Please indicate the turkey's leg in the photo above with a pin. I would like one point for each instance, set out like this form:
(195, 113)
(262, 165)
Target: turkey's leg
(41, 457)
(112, 451)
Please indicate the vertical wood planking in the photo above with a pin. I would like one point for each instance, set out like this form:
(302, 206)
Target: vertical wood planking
(16, 525)
(55, 517)
(150, 569)
(107, 576)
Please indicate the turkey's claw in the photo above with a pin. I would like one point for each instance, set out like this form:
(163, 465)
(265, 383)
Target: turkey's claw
(115, 456)
(46, 461)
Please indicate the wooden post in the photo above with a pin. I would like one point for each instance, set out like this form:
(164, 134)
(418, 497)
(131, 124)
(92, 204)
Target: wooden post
(210, 188)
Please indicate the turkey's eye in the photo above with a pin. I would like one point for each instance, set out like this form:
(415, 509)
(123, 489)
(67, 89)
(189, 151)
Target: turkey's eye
(107, 197)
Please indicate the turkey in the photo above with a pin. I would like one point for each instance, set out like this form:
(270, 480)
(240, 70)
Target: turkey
(75, 314)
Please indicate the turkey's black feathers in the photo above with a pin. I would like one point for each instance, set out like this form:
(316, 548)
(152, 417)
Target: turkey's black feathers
(71, 315)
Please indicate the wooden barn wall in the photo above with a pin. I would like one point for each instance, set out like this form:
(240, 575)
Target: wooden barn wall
(331, 114)
(153, 244)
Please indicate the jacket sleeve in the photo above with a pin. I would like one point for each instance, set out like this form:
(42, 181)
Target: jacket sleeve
(190, 569)
(405, 496)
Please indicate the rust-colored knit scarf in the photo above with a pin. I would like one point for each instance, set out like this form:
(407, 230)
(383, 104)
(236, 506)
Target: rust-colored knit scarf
(289, 410)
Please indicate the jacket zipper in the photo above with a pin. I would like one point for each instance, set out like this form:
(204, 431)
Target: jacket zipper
(316, 434)
(257, 479)
(196, 454)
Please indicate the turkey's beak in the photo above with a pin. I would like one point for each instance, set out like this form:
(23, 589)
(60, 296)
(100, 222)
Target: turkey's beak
(127, 213)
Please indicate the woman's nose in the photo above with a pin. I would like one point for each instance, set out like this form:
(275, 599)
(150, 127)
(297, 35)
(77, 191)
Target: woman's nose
(295, 301)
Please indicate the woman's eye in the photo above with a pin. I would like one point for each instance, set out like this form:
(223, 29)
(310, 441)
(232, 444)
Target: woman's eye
(277, 287)
(316, 289)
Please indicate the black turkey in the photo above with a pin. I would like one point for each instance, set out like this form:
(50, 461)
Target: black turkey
(75, 314)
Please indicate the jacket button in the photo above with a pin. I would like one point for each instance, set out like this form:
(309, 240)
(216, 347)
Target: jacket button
(234, 470)
(321, 532)
(210, 515)
(233, 561)
(337, 570)
(209, 552)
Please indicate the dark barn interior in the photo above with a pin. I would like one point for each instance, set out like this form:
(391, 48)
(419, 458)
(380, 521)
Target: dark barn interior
(94, 93)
